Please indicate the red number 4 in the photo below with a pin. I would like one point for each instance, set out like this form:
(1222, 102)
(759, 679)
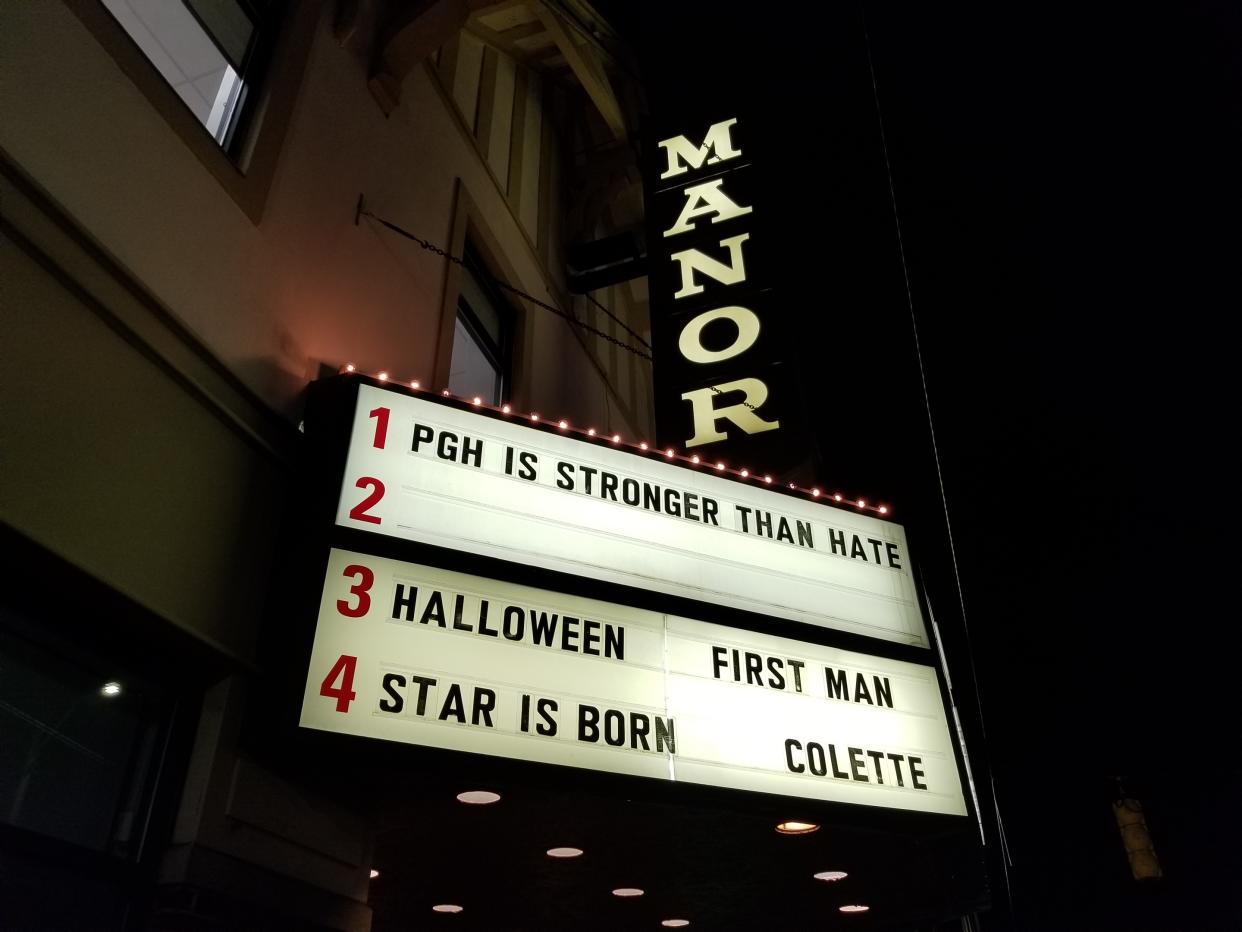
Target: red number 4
(343, 694)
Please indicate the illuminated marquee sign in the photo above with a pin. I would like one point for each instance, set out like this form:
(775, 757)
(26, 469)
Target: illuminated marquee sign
(434, 474)
(721, 388)
(426, 656)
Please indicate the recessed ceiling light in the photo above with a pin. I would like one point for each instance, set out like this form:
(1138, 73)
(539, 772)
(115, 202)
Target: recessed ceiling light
(831, 876)
(675, 923)
(627, 891)
(854, 908)
(793, 827)
(446, 908)
(564, 852)
(111, 689)
(374, 873)
(478, 797)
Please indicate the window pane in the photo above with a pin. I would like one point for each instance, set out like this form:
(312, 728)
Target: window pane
(186, 55)
(471, 372)
(487, 315)
(75, 749)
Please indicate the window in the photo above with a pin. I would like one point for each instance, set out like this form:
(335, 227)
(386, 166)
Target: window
(209, 52)
(481, 335)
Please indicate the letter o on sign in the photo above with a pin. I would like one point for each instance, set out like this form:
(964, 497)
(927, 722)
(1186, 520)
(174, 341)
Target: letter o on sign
(691, 340)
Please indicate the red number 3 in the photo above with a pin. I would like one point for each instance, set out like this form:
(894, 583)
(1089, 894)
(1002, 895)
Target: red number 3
(360, 589)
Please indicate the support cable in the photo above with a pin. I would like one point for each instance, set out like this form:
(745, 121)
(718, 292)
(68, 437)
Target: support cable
(1006, 861)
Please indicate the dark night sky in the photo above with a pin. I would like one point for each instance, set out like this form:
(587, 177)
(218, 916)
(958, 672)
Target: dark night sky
(1067, 181)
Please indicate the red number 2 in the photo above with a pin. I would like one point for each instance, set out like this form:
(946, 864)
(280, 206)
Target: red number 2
(343, 694)
(381, 427)
(359, 511)
(360, 589)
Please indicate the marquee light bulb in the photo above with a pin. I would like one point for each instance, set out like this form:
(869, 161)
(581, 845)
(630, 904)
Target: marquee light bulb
(643, 445)
(720, 466)
(861, 503)
(616, 438)
(883, 509)
(815, 493)
(837, 497)
(562, 424)
(445, 393)
(695, 458)
(534, 416)
(383, 376)
(669, 452)
(792, 486)
(505, 409)
(374, 873)
(767, 479)
(744, 473)
(414, 384)
(477, 401)
(349, 367)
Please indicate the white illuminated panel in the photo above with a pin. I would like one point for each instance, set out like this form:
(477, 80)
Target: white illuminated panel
(620, 690)
(430, 473)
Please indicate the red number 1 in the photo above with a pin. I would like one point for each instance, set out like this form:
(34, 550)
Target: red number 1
(381, 426)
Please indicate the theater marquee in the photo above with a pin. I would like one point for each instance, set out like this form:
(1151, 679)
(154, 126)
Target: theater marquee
(426, 656)
(438, 475)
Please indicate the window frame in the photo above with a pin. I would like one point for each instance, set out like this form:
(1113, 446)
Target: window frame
(247, 168)
(469, 227)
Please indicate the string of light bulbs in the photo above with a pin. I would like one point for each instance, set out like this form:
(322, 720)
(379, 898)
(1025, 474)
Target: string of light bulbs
(641, 446)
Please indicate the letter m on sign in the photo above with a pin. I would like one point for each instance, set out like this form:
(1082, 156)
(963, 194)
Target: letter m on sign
(684, 155)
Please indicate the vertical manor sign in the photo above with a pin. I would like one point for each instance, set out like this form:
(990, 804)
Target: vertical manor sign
(721, 388)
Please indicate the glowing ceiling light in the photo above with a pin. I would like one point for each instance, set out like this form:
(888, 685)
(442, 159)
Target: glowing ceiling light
(675, 923)
(627, 891)
(446, 908)
(853, 908)
(478, 797)
(111, 688)
(831, 876)
(794, 827)
(564, 852)
(374, 873)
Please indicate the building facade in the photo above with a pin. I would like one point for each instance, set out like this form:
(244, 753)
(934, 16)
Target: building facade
(205, 209)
